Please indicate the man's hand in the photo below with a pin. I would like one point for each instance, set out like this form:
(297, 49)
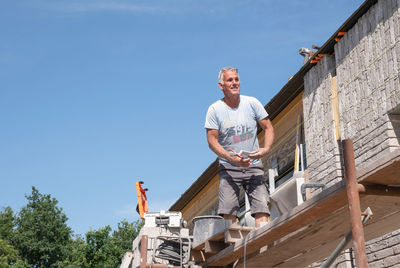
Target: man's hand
(259, 153)
(240, 161)
(212, 138)
(268, 139)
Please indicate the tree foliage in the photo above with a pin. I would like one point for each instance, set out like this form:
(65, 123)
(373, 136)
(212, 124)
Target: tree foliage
(38, 236)
(9, 256)
(41, 232)
(75, 254)
(7, 223)
(106, 250)
(123, 235)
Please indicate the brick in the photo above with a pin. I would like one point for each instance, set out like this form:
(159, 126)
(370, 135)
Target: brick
(392, 261)
(396, 249)
(378, 245)
(376, 264)
(384, 253)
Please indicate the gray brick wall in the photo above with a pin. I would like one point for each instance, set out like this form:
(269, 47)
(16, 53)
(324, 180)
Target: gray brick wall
(384, 251)
(367, 66)
(368, 60)
(323, 157)
(342, 261)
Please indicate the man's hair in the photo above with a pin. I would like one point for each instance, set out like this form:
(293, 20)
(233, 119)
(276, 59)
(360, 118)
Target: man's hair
(221, 73)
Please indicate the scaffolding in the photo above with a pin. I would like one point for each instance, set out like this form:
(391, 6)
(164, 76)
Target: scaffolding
(311, 231)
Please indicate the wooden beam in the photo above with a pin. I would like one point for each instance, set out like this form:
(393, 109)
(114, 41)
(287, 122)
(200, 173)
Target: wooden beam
(234, 234)
(217, 237)
(335, 107)
(321, 217)
(377, 189)
(213, 247)
(197, 256)
(315, 208)
(383, 171)
(317, 240)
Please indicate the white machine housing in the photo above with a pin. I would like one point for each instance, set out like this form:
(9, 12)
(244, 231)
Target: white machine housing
(172, 223)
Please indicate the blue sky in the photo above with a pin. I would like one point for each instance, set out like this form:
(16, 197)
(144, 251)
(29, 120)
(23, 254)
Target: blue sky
(96, 94)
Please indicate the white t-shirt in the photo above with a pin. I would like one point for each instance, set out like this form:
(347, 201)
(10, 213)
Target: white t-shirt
(237, 127)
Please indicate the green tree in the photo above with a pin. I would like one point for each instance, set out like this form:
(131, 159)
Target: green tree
(42, 235)
(100, 250)
(75, 254)
(7, 223)
(124, 235)
(105, 250)
(9, 256)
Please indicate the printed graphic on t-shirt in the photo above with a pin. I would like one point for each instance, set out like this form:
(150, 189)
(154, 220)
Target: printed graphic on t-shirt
(240, 133)
(243, 137)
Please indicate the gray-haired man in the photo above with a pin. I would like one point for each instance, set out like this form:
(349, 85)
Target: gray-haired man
(231, 125)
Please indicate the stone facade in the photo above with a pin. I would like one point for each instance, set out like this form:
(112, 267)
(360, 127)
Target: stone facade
(368, 60)
(384, 251)
(366, 64)
(322, 149)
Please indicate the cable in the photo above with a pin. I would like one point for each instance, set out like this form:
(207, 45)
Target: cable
(171, 249)
(244, 251)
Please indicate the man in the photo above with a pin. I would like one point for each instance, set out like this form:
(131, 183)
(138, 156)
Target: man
(231, 125)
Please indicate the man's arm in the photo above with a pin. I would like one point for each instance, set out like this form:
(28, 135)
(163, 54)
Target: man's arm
(268, 139)
(212, 138)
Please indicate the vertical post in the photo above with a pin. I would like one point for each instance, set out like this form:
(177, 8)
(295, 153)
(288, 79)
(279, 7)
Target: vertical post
(143, 251)
(354, 204)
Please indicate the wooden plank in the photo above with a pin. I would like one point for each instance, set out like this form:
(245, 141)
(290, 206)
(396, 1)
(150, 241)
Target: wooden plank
(199, 246)
(379, 189)
(317, 241)
(217, 237)
(234, 234)
(305, 241)
(335, 107)
(213, 247)
(312, 213)
(317, 207)
(199, 255)
(383, 171)
(196, 256)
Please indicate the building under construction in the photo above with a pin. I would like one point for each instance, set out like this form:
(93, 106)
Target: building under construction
(338, 117)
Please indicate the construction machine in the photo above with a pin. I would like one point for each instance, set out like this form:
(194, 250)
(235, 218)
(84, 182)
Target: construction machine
(163, 241)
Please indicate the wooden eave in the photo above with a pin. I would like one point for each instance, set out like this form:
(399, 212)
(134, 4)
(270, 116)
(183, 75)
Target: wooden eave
(276, 105)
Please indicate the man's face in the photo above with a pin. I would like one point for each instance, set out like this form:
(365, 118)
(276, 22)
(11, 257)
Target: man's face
(231, 85)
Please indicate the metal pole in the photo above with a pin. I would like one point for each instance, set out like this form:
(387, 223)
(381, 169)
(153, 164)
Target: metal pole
(354, 204)
(143, 251)
(344, 242)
